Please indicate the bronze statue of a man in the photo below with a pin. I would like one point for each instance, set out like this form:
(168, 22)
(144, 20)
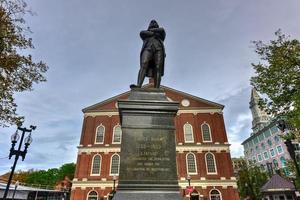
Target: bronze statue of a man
(152, 56)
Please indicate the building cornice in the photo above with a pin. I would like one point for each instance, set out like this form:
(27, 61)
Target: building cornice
(180, 111)
(179, 148)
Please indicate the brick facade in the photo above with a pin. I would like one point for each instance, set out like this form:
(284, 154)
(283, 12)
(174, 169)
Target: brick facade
(196, 112)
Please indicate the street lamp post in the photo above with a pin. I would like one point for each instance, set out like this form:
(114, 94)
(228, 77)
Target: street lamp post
(114, 179)
(16, 186)
(14, 139)
(290, 147)
(112, 193)
(188, 178)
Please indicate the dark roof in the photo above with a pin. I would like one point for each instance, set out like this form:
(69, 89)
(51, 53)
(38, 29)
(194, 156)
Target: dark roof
(277, 183)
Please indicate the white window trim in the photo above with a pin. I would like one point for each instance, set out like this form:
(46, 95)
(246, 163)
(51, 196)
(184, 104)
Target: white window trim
(260, 156)
(264, 155)
(111, 164)
(186, 162)
(191, 131)
(271, 153)
(97, 132)
(113, 136)
(211, 173)
(204, 141)
(217, 190)
(281, 149)
(91, 174)
(87, 196)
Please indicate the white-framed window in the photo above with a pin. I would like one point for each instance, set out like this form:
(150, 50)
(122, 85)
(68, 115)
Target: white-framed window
(283, 161)
(114, 165)
(272, 152)
(100, 131)
(215, 194)
(206, 132)
(96, 165)
(279, 149)
(191, 164)
(266, 155)
(210, 163)
(92, 195)
(188, 133)
(259, 157)
(254, 159)
(117, 134)
(276, 139)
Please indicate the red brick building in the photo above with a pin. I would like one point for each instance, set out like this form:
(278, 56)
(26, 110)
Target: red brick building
(202, 149)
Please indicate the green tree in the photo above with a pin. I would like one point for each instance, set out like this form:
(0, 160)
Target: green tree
(51, 176)
(67, 170)
(250, 179)
(18, 71)
(278, 76)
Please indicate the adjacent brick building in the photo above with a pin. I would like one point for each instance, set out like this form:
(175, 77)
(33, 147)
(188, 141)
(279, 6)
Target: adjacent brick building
(202, 149)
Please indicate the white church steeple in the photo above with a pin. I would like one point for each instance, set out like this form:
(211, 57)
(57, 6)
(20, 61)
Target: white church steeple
(259, 116)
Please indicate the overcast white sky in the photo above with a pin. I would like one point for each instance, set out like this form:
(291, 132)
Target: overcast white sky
(92, 48)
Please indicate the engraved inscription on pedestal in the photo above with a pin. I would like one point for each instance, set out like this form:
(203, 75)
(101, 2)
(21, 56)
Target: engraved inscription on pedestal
(148, 156)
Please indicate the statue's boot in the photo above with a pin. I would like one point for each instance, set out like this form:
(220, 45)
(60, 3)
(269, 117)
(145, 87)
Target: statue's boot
(141, 77)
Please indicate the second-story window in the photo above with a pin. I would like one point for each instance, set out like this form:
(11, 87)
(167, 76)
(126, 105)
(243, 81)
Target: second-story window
(100, 134)
(206, 133)
(188, 133)
(117, 134)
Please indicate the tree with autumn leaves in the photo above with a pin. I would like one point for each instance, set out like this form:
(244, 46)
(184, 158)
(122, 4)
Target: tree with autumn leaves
(18, 70)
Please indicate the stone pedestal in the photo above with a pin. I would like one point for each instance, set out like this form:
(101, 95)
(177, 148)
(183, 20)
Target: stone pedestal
(148, 149)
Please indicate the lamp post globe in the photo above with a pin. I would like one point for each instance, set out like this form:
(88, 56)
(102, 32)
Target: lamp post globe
(188, 178)
(15, 137)
(28, 140)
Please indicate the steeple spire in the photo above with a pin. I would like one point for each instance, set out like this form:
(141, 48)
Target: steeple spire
(259, 116)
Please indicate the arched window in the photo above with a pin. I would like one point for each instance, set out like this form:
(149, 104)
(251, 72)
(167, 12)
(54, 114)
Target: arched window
(215, 195)
(100, 134)
(117, 134)
(191, 165)
(93, 195)
(114, 164)
(206, 133)
(188, 133)
(210, 163)
(96, 165)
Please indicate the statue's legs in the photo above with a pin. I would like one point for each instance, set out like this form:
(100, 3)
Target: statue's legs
(141, 76)
(158, 60)
(145, 60)
(157, 78)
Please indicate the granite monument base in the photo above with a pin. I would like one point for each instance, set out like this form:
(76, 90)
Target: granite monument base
(148, 149)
